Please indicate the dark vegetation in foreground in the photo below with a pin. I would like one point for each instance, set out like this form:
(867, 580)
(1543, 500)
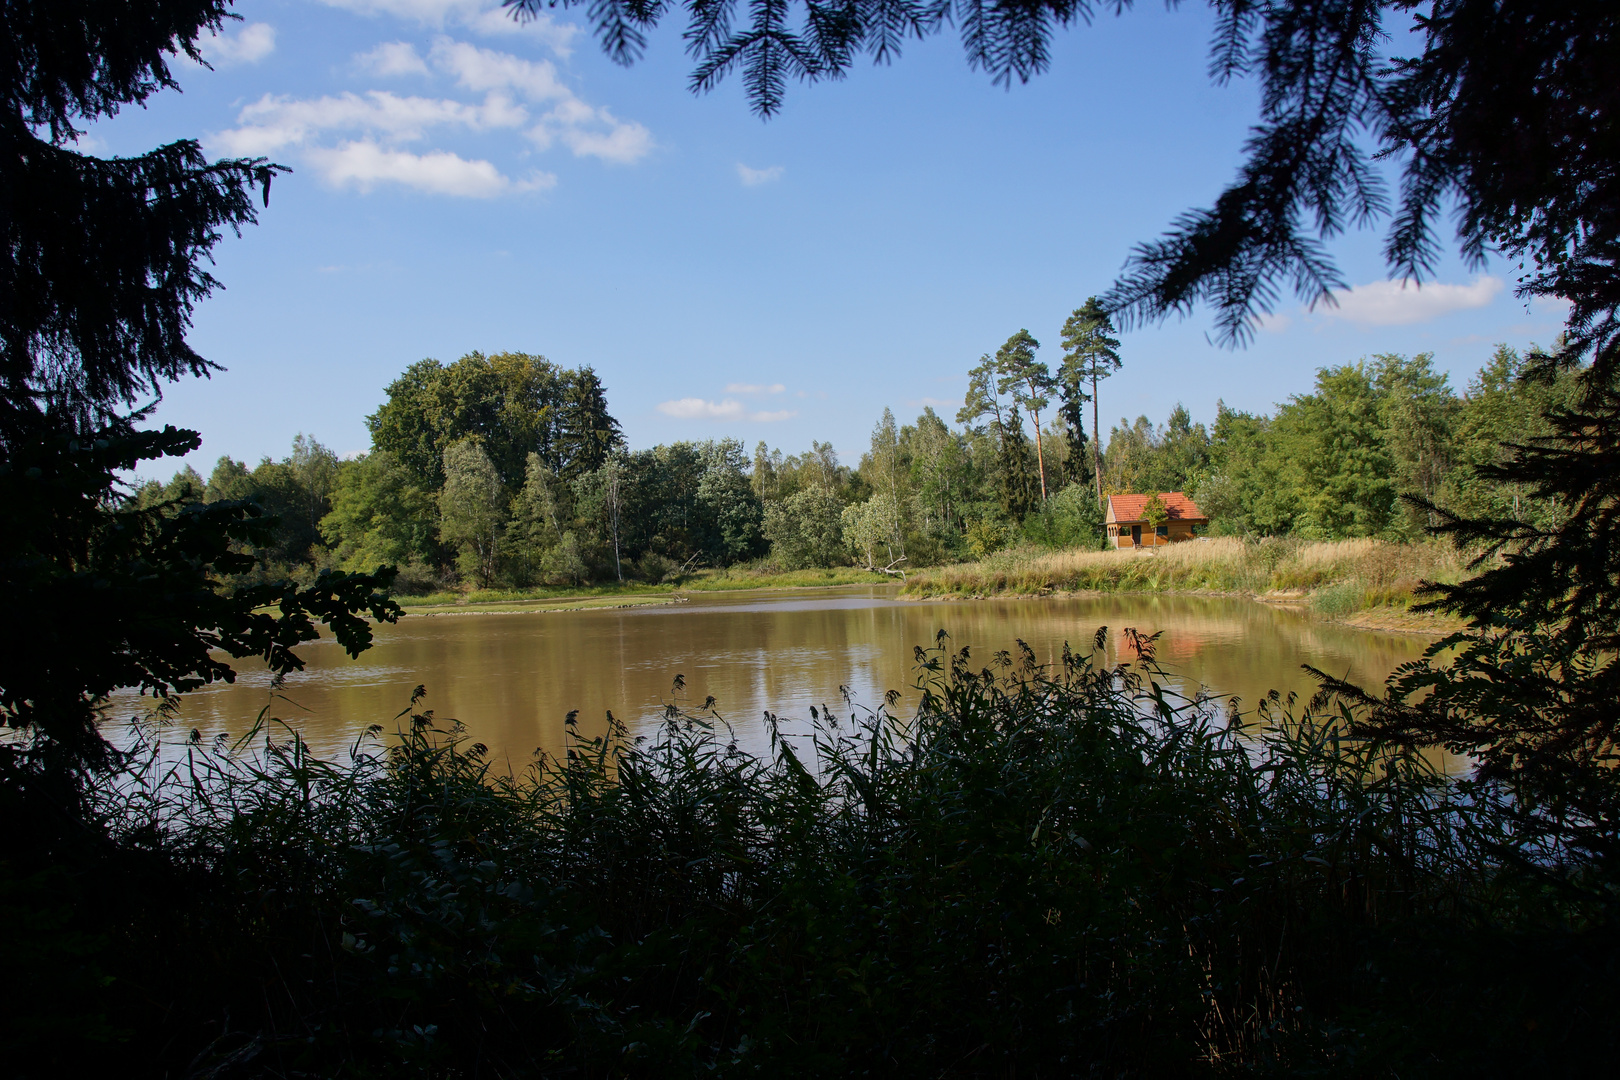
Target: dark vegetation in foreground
(1044, 873)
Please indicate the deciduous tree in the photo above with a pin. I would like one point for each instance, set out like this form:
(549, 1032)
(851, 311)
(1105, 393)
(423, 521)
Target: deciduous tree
(472, 510)
(380, 516)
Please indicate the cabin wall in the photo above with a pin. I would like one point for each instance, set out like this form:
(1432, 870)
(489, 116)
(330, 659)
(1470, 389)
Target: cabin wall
(1176, 532)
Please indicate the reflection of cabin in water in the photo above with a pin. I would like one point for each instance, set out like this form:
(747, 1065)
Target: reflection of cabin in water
(1128, 525)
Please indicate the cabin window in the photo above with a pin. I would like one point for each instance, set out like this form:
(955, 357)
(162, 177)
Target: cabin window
(1162, 530)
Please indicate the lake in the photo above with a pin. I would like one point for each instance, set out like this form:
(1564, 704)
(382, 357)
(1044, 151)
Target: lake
(512, 677)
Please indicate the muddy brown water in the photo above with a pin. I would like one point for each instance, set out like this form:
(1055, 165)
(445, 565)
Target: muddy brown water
(512, 677)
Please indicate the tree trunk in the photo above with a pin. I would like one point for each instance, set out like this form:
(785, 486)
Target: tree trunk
(613, 520)
(1040, 452)
(1096, 446)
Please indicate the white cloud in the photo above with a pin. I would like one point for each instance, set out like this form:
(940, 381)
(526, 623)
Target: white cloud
(364, 164)
(691, 408)
(1398, 303)
(485, 69)
(755, 177)
(486, 17)
(754, 388)
(730, 409)
(273, 122)
(248, 45)
(622, 143)
(558, 37)
(392, 58)
(355, 139)
(587, 130)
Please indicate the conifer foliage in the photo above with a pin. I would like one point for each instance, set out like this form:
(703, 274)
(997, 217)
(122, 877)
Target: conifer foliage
(102, 263)
(1507, 111)
(103, 259)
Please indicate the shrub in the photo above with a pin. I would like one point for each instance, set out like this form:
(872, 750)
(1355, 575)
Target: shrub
(986, 536)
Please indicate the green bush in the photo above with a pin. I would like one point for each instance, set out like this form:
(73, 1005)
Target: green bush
(1338, 599)
(1069, 519)
(988, 535)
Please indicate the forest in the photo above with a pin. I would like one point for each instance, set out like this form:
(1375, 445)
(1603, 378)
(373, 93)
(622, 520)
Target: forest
(509, 471)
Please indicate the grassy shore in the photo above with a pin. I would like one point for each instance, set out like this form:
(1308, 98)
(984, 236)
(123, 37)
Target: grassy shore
(617, 594)
(740, 577)
(609, 594)
(1367, 582)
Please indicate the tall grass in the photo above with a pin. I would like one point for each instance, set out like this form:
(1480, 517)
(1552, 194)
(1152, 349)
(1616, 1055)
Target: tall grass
(1370, 573)
(1042, 873)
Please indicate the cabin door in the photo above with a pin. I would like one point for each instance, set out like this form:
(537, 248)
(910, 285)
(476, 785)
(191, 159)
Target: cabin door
(1136, 536)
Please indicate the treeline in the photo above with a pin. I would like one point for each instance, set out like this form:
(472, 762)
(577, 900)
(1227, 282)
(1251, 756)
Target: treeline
(1336, 462)
(509, 471)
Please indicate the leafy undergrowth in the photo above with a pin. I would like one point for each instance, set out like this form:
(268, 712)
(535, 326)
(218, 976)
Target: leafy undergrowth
(1339, 577)
(1043, 873)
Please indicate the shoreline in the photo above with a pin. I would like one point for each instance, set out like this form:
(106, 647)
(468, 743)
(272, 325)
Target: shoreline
(635, 594)
(1380, 619)
(1364, 584)
(1385, 620)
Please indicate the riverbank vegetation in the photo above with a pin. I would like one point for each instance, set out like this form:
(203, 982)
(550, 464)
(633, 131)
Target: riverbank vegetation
(506, 476)
(1337, 577)
(728, 579)
(1043, 872)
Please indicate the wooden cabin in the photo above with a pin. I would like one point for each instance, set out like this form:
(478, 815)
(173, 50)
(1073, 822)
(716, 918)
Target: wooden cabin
(1128, 528)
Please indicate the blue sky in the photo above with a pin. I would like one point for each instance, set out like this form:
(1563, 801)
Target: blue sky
(465, 183)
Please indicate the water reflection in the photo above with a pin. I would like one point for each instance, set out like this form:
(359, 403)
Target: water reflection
(512, 678)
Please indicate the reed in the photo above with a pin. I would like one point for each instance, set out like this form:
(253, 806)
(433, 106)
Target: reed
(1043, 872)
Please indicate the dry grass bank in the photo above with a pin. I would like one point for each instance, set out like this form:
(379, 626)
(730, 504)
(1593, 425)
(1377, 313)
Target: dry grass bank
(1338, 578)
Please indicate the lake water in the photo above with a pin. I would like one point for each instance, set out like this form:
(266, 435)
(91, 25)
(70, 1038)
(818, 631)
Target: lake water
(512, 677)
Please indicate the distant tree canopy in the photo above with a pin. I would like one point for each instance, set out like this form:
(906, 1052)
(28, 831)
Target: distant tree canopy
(1333, 463)
(513, 404)
(1337, 462)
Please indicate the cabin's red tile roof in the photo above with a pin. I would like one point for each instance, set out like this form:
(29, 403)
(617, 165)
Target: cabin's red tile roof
(1176, 505)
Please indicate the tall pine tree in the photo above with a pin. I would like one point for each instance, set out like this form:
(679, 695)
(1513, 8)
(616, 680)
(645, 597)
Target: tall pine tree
(102, 265)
